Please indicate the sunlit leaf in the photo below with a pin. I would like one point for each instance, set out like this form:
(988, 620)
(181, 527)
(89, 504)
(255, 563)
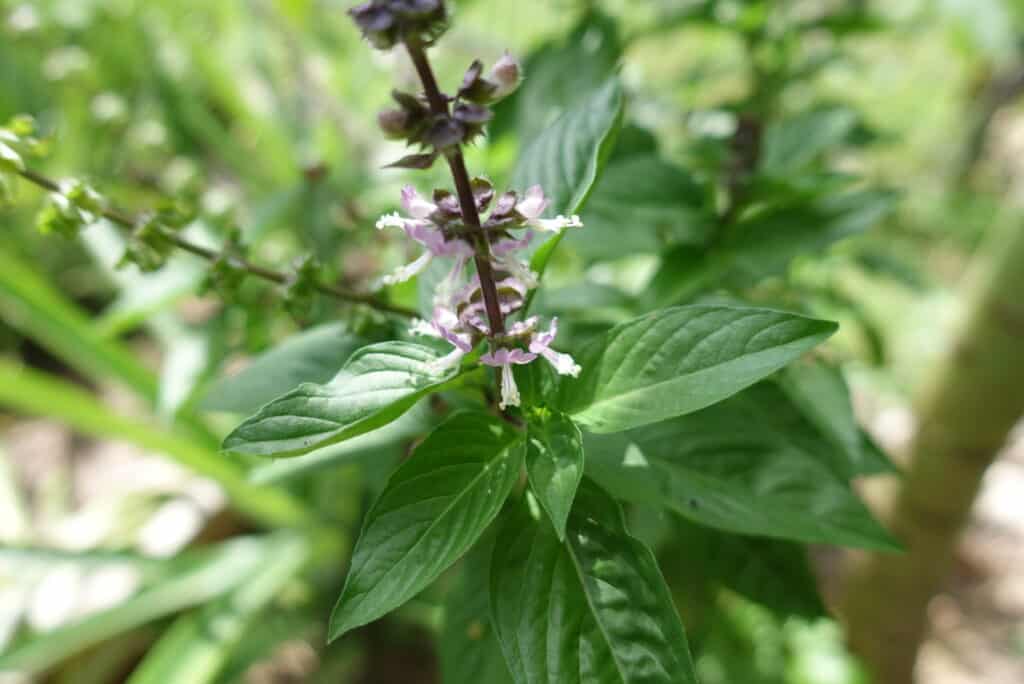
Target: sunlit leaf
(593, 609)
(315, 355)
(434, 507)
(567, 157)
(379, 383)
(676, 361)
(554, 464)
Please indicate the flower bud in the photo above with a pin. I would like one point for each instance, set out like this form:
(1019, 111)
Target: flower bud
(386, 22)
(506, 74)
(444, 132)
(475, 87)
(394, 123)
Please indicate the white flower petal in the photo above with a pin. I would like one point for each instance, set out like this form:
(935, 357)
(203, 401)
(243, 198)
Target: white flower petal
(390, 221)
(509, 390)
(557, 224)
(406, 272)
(562, 363)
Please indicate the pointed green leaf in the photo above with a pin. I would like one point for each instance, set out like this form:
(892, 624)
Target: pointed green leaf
(554, 464)
(433, 509)
(819, 391)
(593, 609)
(379, 383)
(315, 355)
(659, 201)
(708, 468)
(771, 572)
(568, 156)
(679, 360)
(387, 444)
(468, 648)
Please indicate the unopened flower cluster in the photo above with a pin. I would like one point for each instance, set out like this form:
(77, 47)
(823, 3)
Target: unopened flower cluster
(460, 315)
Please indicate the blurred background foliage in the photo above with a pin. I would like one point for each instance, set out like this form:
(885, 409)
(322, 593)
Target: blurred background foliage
(888, 142)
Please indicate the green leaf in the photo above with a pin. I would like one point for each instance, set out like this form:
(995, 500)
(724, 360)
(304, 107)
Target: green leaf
(766, 417)
(594, 609)
(733, 482)
(433, 509)
(38, 394)
(567, 157)
(315, 355)
(795, 141)
(378, 384)
(200, 578)
(676, 361)
(819, 391)
(771, 572)
(198, 645)
(767, 242)
(554, 464)
(639, 205)
(468, 648)
(385, 444)
(32, 305)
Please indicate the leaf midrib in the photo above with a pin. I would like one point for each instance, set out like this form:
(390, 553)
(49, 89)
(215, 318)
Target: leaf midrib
(640, 390)
(593, 610)
(502, 454)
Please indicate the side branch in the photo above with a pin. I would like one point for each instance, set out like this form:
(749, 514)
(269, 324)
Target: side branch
(126, 221)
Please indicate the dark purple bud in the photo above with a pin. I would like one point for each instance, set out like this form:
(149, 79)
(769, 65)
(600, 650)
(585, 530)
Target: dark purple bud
(418, 9)
(409, 103)
(472, 114)
(475, 87)
(444, 132)
(483, 193)
(394, 123)
(386, 22)
(447, 206)
(377, 22)
(504, 213)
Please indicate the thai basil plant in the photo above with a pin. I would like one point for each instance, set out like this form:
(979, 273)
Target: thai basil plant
(525, 473)
(571, 441)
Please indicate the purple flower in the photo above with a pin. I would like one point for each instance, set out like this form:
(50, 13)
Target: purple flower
(504, 359)
(541, 345)
(446, 326)
(423, 230)
(460, 313)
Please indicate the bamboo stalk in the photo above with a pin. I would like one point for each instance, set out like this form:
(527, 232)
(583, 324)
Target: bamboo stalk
(974, 399)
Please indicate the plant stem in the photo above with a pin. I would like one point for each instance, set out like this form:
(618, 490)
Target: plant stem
(470, 216)
(125, 220)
